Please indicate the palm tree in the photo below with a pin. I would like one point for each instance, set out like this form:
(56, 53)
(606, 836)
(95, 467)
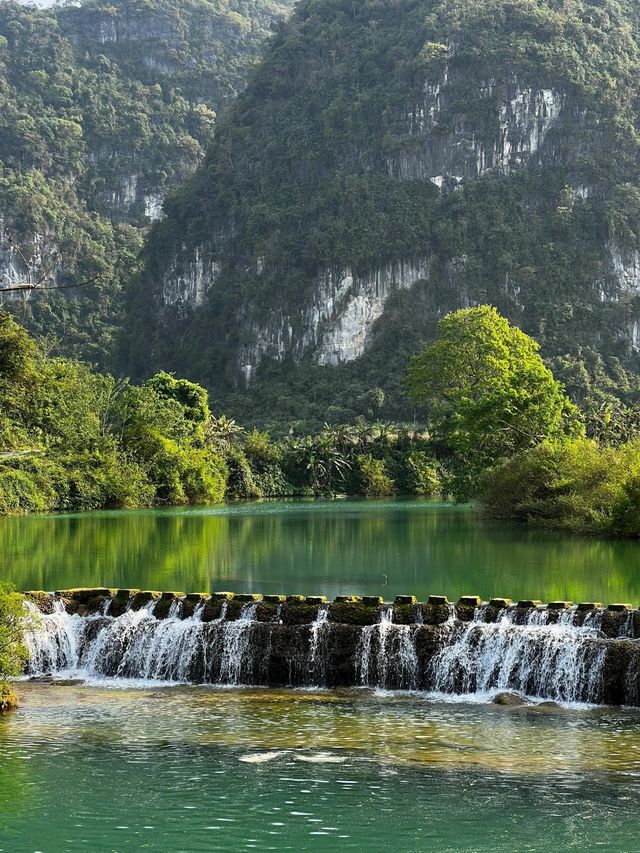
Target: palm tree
(223, 429)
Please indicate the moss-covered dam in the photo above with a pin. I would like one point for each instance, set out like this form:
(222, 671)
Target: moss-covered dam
(585, 652)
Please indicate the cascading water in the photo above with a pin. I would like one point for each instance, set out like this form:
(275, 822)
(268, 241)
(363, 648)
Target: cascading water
(541, 652)
(317, 660)
(386, 655)
(538, 658)
(235, 648)
(134, 645)
(626, 629)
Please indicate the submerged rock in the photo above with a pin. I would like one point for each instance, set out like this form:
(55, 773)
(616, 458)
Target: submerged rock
(322, 758)
(261, 757)
(506, 698)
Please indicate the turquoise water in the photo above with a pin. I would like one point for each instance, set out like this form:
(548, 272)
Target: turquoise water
(193, 769)
(328, 547)
(129, 767)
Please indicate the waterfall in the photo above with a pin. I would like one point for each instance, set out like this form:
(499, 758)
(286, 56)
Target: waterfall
(539, 652)
(386, 655)
(136, 644)
(53, 643)
(537, 658)
(235, 648)
(317, 660)
(626, 629)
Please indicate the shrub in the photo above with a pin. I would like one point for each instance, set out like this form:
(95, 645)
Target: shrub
(13, 651)
(20, 493)
(422, 474)
(204, 476)
(8, 699)
(240, 481)
(374, 480)
(576, 485)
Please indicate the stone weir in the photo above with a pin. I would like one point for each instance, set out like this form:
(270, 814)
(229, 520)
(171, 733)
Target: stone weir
(557, 651)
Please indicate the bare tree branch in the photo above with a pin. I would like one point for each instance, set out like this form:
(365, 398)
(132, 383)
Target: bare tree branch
(25, 288)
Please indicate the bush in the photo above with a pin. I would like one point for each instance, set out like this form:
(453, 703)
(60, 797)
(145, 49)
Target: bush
(8, 699)
(373, 477)
(422, 474)
(265, 459)
(204, 476)
(21, 493)
(240, 481)
(576, 485)
(13, 651)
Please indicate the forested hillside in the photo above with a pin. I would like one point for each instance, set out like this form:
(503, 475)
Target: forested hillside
(390, 162)
(104, 107)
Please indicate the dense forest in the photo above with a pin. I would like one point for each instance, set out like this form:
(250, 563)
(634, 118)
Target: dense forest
(386, 164)
(104, 107)
(390, 162)
(75, 439)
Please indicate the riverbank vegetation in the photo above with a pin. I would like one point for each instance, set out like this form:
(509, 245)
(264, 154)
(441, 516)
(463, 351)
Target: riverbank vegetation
(511, 438)
(497, 429)
(72, 439)
(13, 652)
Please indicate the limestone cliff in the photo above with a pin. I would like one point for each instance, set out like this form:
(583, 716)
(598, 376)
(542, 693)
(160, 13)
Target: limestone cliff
(390, 162)
(105, 107)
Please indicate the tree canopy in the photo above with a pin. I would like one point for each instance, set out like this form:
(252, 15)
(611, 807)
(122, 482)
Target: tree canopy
(489, 393)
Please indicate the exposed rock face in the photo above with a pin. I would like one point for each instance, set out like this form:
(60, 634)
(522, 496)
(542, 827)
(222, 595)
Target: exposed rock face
(463, 167)
(335, 326)
(189, 286)
(18, 268)
(447, 147)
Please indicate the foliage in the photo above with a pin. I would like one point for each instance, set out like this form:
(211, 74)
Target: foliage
(374, 481)
(78, 440)
(8, 699)
(74, 439)
(489, 393)
(13, 651)
(423, 476)
(105, 105)
(576, 485)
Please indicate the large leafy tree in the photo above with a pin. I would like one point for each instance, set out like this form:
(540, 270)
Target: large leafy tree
(489, 393)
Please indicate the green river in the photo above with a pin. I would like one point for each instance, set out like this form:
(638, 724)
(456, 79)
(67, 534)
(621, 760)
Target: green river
(118, 767)
(324, 547)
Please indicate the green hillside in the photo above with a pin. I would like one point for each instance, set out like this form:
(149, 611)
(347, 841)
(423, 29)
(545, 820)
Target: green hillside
(104, 107)
(392, 161)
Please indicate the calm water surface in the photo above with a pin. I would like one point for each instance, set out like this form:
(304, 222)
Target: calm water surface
(196, 769)
(329, 547)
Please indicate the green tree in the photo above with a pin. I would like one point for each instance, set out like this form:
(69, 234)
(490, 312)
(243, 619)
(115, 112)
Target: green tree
(13, 651)
(489, 394)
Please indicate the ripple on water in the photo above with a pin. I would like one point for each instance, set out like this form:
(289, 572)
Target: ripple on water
(413, 774)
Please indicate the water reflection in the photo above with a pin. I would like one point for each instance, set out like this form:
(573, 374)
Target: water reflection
(386, 547)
